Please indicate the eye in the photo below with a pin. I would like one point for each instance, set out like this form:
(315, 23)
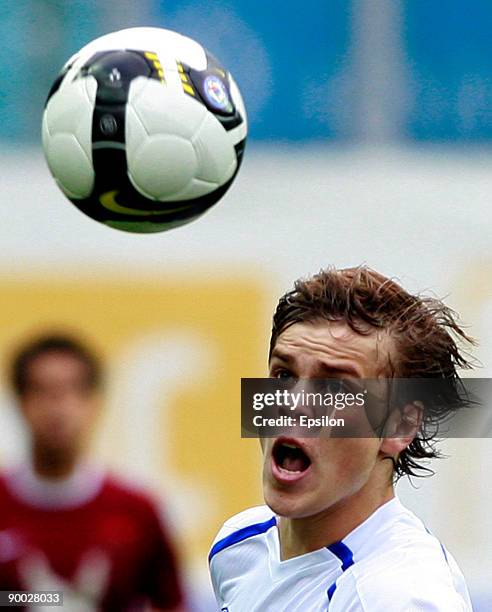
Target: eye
(335, 386)
(282, 374)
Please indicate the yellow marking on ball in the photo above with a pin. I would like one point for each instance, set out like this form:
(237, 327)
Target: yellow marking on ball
(180, 67)
(151, 56)
(188, 89)
(108, 200)
(183, 78)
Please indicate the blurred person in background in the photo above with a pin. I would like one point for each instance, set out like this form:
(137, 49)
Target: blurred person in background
(65, 523)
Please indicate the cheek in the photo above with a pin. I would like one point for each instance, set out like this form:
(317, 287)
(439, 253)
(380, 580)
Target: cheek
(34, 411)
(266, 445)
(85, 414)
(349, 460)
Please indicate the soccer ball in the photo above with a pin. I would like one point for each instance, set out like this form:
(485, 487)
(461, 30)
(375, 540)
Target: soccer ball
(144, 130)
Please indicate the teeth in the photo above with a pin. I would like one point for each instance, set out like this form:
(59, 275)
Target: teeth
(289, 445)
(289, 471)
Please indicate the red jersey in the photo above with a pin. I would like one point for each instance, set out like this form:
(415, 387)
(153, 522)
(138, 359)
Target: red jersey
(99, 541)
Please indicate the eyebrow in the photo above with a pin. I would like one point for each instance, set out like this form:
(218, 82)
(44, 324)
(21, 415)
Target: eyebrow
(282, 356)
(290, 359)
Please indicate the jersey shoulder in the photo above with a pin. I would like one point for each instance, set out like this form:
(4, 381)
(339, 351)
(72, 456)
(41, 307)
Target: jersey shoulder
(228, 557)
(409, 575)
(130, 494)
(246, 518)
(3, 483)
(139, 504)
(8, 503)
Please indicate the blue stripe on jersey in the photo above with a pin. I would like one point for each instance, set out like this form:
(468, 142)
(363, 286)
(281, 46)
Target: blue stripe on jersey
(240, 535)
(331, 590)
(440, 544)
(343, 552)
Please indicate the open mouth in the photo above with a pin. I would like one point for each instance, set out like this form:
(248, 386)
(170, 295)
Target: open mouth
(289, 457)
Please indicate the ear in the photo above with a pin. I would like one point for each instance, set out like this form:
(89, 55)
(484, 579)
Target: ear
(402, 427)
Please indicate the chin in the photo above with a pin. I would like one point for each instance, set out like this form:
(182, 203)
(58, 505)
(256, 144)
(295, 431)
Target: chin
(58, 445)
(288, 505)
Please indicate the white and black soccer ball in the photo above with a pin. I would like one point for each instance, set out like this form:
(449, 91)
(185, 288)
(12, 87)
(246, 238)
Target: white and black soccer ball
(144, 130)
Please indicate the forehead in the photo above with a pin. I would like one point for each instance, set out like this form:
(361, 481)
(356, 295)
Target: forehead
(333, 344)
(53, 364)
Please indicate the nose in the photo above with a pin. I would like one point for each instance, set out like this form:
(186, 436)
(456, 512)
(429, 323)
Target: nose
(304, 398)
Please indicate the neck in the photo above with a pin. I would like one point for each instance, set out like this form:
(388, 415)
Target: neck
(299, 536)
(53, 464)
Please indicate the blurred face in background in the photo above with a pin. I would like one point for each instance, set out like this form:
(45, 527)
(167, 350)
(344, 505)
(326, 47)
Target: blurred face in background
(59, 402)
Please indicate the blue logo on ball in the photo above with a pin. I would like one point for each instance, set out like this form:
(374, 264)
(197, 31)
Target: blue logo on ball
(216, 93)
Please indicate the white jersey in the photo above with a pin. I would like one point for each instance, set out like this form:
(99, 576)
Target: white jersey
(389, 563)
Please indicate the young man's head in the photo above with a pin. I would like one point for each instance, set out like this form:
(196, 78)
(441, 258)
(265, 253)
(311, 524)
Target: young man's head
(345, 324)
(56, 379)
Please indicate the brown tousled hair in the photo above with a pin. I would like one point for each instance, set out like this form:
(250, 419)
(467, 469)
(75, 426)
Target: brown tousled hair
(426, 336)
